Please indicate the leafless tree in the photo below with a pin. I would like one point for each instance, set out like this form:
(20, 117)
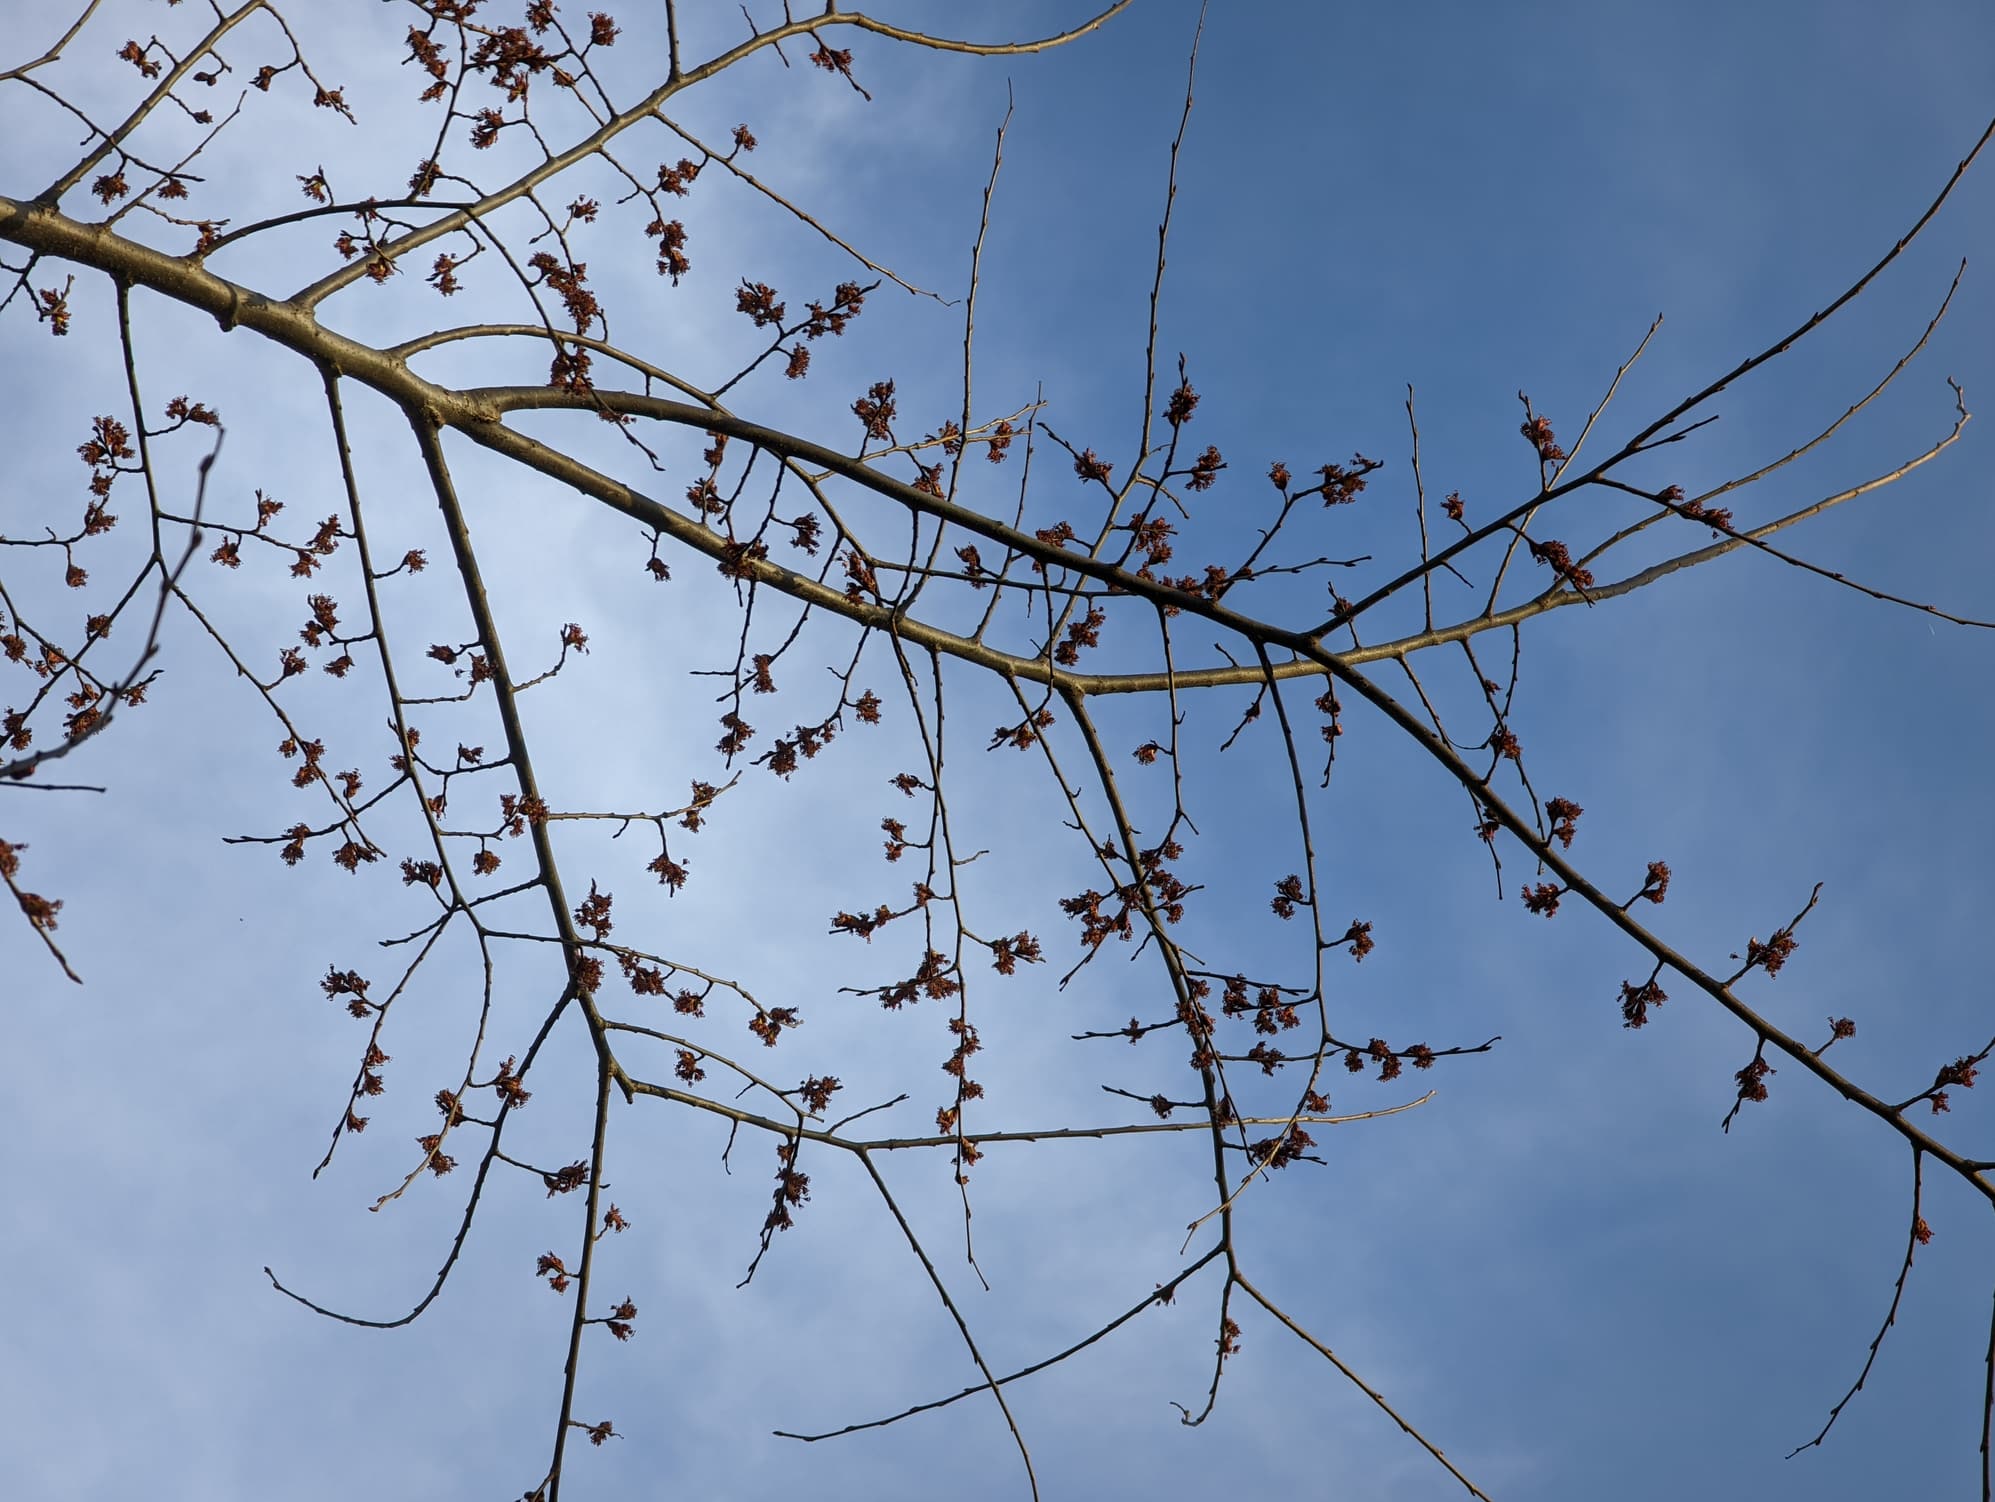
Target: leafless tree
(933, 554)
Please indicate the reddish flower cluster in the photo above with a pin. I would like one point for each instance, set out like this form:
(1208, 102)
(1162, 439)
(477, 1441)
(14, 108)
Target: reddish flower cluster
(554, 1270)
(833, 60)
(1025, 734)
(1543, 898)
(1151, 536)
(1751, 1079)
(1340, 486)
(1282, 1150)
(1205, 469)
(1379, 1052)
(1006, 953)
(934, 978)
(1083, 633)
(1558, 557)
(1636, 1001)
(1961, 1072)
(1359, 937)
(1538, 432)
(347, 983)
(1715, 517)
(758, 301)
(1771, 955)
(619, 1321)
(565, 1180)
(1056, 536)
(1564, 816)
(676, 179)
(1097, 926)
(671, 238)
(876, 410)
(792, 1188)
(1288, 895)
(768, 1024)
(817, 1093)
(1091, 467)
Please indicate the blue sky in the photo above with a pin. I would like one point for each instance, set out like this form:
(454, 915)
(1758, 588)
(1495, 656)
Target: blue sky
(1558, 1268)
